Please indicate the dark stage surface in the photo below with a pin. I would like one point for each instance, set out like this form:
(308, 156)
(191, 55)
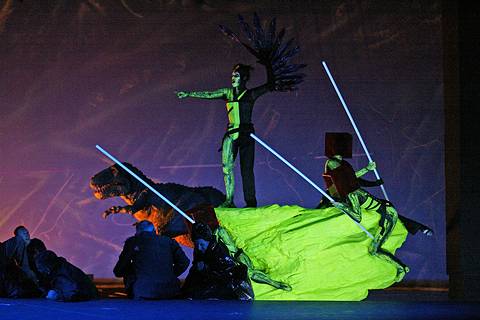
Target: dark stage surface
(381, 305)
(397, 302)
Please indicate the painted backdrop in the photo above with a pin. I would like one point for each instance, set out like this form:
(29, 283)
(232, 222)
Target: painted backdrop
(79, 73)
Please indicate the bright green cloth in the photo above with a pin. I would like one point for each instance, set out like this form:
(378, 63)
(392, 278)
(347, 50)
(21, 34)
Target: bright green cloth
(321, 253)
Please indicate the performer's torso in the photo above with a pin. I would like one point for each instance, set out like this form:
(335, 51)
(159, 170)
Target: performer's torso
(341, 180)
(239, 109)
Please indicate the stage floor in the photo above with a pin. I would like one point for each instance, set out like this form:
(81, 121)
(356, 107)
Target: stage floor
(385, 304)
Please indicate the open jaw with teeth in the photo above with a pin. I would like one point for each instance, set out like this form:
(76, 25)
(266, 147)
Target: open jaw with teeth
(106, 191)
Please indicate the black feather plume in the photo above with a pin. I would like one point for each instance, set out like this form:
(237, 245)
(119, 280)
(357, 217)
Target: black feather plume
(267, 46)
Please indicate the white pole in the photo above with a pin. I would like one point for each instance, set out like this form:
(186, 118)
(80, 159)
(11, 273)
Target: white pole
(144, 183)
(309, 181)
(353, 124)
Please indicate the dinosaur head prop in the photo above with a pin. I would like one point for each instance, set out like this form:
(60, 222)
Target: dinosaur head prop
(112, 182)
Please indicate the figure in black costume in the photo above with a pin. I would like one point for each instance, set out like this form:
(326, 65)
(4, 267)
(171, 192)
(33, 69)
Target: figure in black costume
(343, 184)
(17, 279)
(150, 264)
(214, 274)
(34, 248)
(64, 281)
(268, 48)
(205, 214)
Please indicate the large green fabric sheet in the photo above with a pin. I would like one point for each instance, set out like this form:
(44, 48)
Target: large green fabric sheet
(321, 253)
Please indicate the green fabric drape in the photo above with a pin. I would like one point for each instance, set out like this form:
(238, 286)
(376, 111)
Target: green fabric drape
(320, 253)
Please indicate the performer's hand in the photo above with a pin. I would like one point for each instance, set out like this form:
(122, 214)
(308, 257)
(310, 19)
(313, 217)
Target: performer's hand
(371, 166)
(181, 94)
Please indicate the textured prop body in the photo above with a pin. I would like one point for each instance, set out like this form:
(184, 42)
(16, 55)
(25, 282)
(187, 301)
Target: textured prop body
(143, 204)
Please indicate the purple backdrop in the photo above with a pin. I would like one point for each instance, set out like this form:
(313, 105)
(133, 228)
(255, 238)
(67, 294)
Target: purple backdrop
(80, 73)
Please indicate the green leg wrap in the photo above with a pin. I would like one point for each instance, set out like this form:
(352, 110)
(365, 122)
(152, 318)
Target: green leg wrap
(390, 219)
(255, 275)
(356, 211)
(228, 165)
(222, 235)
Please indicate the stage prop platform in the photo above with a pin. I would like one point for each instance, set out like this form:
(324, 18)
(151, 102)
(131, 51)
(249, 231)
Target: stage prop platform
(320, 253)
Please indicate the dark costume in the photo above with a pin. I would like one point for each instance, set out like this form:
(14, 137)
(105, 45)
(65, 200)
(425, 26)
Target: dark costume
(16, 250)
(17, 279)
(150, 265)
(35, 247)
(214, 274)
(69, 282)
(206, 215)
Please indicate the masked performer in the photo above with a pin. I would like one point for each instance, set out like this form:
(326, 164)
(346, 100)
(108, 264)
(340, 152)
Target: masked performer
(268, 48)
(412, 226)
(343, 184)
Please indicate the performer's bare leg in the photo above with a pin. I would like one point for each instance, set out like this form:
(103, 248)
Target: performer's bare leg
(228, 164)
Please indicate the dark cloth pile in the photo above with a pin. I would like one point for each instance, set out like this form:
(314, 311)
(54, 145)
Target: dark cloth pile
(69, 282)
(214, 273)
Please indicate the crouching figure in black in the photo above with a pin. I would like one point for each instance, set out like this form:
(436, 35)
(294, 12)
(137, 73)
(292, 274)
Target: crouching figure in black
(63, 281)
(214, 273)
(150, 264)
(18, 278)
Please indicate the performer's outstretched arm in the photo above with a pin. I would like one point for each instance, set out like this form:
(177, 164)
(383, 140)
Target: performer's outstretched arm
(371, 166)
(217, 94)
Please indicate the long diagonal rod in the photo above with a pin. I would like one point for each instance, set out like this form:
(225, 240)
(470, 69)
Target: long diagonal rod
(308, 180)
(144, 183)
(353, 124)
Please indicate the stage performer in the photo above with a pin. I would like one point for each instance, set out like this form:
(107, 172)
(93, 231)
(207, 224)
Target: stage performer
(412, 226)
(205, 215)
(240, 102)
(281, 76)
(150, 264)
(16, 248)
(343, 184)
(17, 279)
(63, 281)
(214, 273)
